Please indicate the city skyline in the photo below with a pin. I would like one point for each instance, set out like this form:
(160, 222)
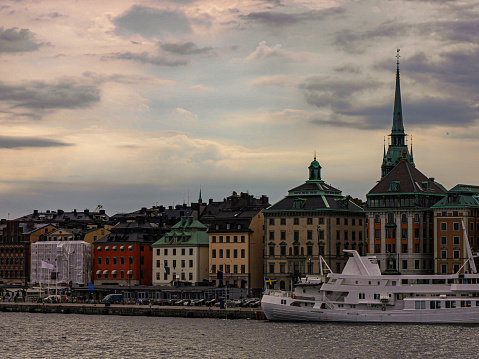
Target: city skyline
(132, 103)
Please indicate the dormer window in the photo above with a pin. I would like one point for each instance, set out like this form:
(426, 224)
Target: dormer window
(394, 186)
(298, 203)
(426, 185)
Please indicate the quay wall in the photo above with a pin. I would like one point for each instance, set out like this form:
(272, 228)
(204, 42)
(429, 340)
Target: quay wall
(135, 310)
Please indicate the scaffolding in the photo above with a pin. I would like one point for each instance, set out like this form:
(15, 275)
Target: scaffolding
(65, 262)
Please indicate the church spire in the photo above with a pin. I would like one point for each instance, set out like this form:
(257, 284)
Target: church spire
(397, 144)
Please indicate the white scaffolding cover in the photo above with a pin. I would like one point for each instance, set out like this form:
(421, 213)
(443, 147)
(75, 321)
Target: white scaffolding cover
(71, 262)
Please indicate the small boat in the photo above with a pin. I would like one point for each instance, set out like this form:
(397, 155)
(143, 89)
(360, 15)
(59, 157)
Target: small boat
(361, 293)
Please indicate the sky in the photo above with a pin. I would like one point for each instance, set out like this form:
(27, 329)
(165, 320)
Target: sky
(130, 104)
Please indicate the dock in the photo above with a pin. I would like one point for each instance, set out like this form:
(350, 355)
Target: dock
(135, 310)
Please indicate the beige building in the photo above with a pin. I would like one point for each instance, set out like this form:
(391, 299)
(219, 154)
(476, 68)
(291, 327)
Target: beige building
(181, 255)
(313, 220)
(236, 250)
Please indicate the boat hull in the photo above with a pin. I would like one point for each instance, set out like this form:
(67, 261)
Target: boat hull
(274, 310)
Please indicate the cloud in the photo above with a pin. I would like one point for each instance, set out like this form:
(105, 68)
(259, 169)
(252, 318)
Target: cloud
(202, 88)
(40, 95)
(187, 48)
(275, 19)
(146, 58)
(126, 79)
(13, 40)
(185, 113)
(278, 80)
(22, 142)
(152, 23)
(263, 52)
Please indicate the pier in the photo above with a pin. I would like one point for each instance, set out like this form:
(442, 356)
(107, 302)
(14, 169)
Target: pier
(136, 310)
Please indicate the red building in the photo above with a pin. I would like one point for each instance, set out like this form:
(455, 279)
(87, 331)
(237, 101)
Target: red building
(124, 257)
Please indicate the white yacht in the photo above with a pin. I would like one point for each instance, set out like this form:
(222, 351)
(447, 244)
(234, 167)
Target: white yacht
(362, 294)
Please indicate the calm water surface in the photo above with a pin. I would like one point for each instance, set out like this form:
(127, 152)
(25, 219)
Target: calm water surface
(32, 335)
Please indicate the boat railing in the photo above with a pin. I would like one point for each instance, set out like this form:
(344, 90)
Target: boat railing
(277, 293)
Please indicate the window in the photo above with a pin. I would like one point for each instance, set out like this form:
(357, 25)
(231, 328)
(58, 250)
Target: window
(416, 218)
(221, 253)
(166, 251)
(243, 239)
(99, 261)
(309, 220)
(183, 263)
(142, 260)
(213, 253)
(444, 241)
(283, 235)
(114, 261)
(183, 251)
(404, 248)
(321, 234)
(235, 239)
(296, 221)
(213, 239)
(283, 250)
(243, 268)
(404, 233)
(456, 253)
(271, 235)
(271, 221)
(221, 239)
(271, 268)
(227, 268)
(456, 241)
(377, 234)
(283, 221)
(309, 250)
(227, 253)
(338, 221)
(377, 248)
(443, 268)
(174, 251)
(99, 248)
(416, 232)
(296, 236)
(455, 226)
(443, 226)
(190, 264)
(227, 239)
(107, 248)
(309, 235)
(174, 263)
(107, 260)
(444, 253)
(235, 253)
(404, 264)
(130, 260)
(213, 268)
(416, 248)
(158, 263)
(243, 253)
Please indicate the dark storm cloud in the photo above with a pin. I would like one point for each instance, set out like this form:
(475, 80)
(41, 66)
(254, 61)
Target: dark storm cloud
(42, 96)
(14, 40)
(188, 48)
(335, 94)
(280, 19)
(152, 23)
(146, 58)
(464, 30)
(22, 142)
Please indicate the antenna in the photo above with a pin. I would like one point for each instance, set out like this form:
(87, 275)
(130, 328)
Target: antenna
(397, 56)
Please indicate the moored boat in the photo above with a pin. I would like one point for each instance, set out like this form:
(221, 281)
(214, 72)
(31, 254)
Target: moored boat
(362, 294)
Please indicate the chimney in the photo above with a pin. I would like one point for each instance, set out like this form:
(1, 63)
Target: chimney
(35, 211)
(86, 211)
(75, 212)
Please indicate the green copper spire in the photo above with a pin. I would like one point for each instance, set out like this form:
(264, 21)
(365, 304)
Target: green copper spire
(397, 148)
(398, 127)
(314, 170)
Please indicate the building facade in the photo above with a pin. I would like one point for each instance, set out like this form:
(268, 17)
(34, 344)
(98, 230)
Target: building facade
(313, 220)
(399, 215)
(181, 255)
(456, 220)
(124, 257)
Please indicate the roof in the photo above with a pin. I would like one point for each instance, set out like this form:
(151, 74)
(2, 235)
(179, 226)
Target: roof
(186, 232)
(405, 178)
(314, 203)
(460, 196)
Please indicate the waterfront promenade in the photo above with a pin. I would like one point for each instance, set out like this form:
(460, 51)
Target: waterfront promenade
(135, 310)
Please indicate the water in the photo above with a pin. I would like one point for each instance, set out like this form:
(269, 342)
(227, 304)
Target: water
(32, 335)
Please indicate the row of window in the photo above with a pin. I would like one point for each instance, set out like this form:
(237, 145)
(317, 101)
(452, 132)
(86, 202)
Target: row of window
(227, 252)
(11, 274)
(420, 201)
(228, 239)
(114, 248)
(115, 262)
(309, 221)
(438, 304)
(165, 251)
(183, 263)
(391, 248)
(391, 218)
(122, 275)
(7, 239)
(227, 268)
(12, 260)
(182, 276)
(391, 233)
(11, 249)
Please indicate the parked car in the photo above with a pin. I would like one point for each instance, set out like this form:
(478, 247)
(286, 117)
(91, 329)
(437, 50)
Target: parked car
(198, 302)
(186, 302)
(52, 299)
(113, 298)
